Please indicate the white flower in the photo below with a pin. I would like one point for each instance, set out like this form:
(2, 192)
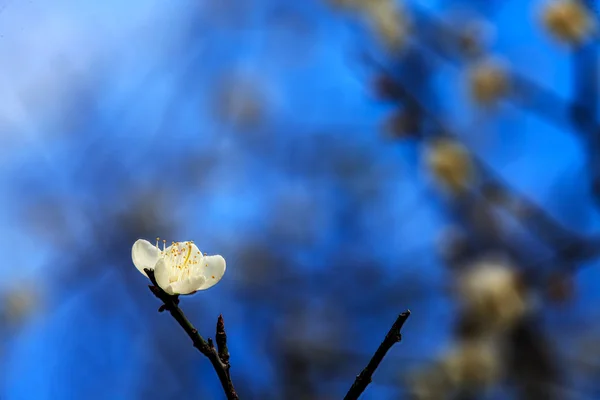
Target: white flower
(180, 268)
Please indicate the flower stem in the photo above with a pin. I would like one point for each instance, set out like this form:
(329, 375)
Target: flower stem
(206, 348)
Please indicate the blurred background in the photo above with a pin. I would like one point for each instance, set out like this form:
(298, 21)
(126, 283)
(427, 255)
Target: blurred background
(350, 159)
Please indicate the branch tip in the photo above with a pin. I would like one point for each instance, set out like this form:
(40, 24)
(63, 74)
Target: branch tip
(221, 338)
(366, 375)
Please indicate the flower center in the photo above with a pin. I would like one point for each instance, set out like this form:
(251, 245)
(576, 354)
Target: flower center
(179, 260)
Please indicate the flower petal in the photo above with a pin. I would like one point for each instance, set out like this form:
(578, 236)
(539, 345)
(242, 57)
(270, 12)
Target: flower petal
(186, 286)
(161, 274)
(213, 269)
(144, 255)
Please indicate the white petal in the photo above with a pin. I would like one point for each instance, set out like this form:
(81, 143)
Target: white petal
(213, 269)
(186, 286)
(161, 273)
(144, 255)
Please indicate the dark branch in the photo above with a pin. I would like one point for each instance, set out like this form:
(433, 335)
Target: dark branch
(205, 347)
(364, 378)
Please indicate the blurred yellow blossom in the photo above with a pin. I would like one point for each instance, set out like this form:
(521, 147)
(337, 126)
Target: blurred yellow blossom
(431, 383)
(388, 19)
(468, 366)
(488, 81)
(19, 304)
(390, 22)
(450, 164)
(473, 364)
(568, 21)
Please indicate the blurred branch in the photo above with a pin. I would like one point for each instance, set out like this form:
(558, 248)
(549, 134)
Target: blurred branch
(570, 245)
(585, 94)
(442, 40)
(579, 112)
(207, 348)
(532, 362)
(584, 81)
(364, 378)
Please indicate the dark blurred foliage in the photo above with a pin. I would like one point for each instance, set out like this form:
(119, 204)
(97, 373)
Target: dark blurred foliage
(349, 160)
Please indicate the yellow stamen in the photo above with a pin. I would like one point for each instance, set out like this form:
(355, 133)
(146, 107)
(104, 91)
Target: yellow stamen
(187, 257)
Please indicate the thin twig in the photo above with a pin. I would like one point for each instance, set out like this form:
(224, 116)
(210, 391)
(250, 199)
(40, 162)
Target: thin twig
(205, 347)
(364, 378)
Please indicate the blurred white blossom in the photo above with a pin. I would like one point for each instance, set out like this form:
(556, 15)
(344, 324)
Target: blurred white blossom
(429, 384)
(18, 304)
(493, 293)
(450, 164)
(488, 81)
(569, 21)
(180, 268)
(388, 19)
(469, 366)
(473, 364)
